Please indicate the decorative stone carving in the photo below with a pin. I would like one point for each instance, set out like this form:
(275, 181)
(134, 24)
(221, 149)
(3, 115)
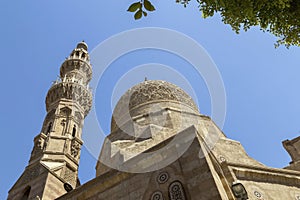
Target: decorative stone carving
(73, 91)
(151, 91)
(157, 196)
(163, 177)
(257, 194)
(81, 65)
(68, 101)
(222, 159)
(176, 191)
(154, 91)
(75, 147)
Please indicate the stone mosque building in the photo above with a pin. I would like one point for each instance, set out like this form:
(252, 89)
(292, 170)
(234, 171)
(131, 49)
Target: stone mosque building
(160, 148)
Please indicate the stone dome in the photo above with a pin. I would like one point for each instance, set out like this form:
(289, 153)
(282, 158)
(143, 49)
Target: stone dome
(137, 100)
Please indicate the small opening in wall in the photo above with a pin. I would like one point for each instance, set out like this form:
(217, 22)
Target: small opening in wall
(74, 131)
(49, 128)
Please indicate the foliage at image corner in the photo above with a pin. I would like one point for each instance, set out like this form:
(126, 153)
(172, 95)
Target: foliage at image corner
(279, 17)
(140, 8)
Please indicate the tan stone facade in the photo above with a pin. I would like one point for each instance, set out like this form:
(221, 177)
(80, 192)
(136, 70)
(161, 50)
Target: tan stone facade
(160, 148)
(55, 156)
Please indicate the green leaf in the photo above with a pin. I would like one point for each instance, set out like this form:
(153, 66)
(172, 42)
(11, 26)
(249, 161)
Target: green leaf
(138, 14)
(133, 7)
(148, 5)
(144, 13)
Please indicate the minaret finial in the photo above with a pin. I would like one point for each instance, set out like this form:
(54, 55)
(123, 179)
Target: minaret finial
(82, 45)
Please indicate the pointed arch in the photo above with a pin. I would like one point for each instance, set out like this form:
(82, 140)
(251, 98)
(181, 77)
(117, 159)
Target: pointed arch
(65, 111)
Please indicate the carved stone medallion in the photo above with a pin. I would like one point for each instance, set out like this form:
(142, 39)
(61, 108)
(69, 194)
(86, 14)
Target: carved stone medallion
(157, 196)
(163, 177)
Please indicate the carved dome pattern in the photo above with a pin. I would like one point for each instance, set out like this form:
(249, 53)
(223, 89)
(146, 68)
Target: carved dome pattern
(149, 92)
(154, 91)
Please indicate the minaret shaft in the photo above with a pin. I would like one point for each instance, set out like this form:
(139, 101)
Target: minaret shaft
(56, 152)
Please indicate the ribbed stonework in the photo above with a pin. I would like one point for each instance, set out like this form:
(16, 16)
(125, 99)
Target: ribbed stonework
(55, 156)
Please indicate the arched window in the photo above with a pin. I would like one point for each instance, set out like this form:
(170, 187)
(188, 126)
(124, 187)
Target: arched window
(26, 194)
(49, 128)
(176, 191)
(74, 131)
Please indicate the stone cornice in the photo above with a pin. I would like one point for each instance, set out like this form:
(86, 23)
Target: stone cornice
(265, 174)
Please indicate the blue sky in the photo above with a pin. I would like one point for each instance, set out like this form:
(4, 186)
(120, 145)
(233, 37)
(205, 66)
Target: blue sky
(262, 83)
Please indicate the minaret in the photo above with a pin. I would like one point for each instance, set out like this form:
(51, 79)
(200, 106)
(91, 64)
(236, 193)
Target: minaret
(55, 156)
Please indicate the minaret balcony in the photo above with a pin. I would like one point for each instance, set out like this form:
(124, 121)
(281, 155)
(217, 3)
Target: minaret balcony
(74, 64)
(72, 91)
